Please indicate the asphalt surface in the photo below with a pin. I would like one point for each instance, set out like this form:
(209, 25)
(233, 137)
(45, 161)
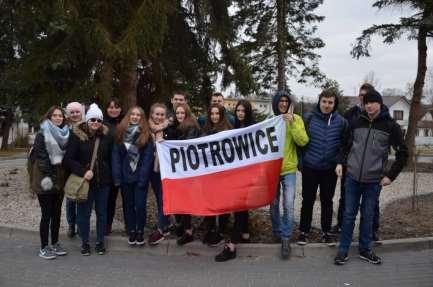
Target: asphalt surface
(20, 266)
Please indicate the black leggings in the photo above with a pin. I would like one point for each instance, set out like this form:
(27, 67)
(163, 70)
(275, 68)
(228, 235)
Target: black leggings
(51, 209)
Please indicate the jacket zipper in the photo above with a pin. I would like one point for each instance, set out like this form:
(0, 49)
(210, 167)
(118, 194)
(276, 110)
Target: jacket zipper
(363, 153)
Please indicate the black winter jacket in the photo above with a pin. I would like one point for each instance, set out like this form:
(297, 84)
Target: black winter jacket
(56, 173)
(173, 133)
(79, 154)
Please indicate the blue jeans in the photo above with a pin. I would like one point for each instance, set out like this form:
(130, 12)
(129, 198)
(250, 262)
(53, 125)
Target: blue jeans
(359, 194)
(99, 197)
(283, 227)
(155, 181)
(71, 212)
(341, 206)
(135, 206)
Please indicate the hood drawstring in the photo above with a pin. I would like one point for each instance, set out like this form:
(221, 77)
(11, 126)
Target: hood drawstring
(329, 120)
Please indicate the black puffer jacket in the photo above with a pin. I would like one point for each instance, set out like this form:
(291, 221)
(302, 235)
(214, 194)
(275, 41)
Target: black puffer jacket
(41, 160)
(79, 154)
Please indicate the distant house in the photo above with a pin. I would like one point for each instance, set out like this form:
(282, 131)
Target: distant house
(260, 105)
(399, 108)
(19, 129)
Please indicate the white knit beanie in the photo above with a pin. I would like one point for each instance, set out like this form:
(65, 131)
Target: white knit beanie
(94, 112)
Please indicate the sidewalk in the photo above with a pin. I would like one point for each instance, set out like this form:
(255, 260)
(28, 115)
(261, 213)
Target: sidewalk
(197, 248)
(20, 266)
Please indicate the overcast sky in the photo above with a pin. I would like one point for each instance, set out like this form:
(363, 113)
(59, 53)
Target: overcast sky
(394, 65)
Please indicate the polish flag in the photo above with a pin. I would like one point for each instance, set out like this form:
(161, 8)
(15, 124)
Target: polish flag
(229, 171)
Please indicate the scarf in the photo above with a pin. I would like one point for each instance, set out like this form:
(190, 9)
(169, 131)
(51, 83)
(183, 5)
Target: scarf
(129, 139)
(157, 133)
(56, 140)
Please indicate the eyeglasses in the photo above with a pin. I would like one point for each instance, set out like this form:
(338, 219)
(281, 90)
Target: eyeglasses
(95, 120)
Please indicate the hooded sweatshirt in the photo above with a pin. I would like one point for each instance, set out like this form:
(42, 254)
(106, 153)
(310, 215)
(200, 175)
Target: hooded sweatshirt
(367, 145)
(295, 136)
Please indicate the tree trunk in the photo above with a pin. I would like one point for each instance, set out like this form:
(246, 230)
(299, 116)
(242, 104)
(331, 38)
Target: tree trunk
(414, 114)
(105, 86)
(7, 123)
(281, 44)
(128, 84)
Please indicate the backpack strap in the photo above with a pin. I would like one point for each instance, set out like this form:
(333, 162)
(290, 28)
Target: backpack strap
(95, 153)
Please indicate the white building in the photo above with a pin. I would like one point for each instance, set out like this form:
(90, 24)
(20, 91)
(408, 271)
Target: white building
(399, 108)
(259, 105)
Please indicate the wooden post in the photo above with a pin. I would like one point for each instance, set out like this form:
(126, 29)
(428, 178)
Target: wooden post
(415, 180)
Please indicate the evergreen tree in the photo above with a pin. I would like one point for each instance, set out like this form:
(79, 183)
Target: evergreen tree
(279, 40)
(419, 27)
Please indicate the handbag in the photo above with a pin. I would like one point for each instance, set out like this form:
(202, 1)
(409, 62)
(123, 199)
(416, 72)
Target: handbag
(77, 187)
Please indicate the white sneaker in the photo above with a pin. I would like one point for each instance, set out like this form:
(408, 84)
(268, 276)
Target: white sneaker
(47, 253)
(58, 249)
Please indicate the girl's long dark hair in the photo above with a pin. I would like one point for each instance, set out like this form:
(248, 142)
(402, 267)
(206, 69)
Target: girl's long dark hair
(223, 123)
(249, 115)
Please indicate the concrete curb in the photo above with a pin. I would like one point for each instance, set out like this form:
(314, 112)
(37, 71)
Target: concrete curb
(196, 248)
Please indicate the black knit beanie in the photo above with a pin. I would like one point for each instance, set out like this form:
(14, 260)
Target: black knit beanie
(373, 96)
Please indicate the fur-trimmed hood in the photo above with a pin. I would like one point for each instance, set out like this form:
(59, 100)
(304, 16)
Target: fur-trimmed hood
(82, 132)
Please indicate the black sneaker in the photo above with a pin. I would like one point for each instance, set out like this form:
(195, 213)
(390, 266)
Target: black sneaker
(286, 250)
(341, 259)
(186, 238)
(85, 249)
(302, 239)
(225, 255)
(215, 239)
(139, 239)
(369, 256)
(328, 239)
(71, 231)
(132, 240)
(100, 248)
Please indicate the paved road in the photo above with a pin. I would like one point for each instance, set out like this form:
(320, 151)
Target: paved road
(19, 266)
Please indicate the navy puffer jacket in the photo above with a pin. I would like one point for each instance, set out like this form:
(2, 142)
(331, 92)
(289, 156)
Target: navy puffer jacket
(326, 137)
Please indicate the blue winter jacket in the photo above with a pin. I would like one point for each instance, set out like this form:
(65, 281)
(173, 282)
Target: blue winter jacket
(122, 173)
(326, 138)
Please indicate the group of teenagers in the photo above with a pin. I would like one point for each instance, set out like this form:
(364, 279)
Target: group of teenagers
(323, 145)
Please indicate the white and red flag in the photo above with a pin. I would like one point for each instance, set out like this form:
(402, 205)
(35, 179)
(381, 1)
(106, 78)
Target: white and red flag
(229, 171)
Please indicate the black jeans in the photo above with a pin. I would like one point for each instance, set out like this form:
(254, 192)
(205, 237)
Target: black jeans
(341, 206)
(326, 180)
(185, 220)
(51, 209)
(211, 224)
(240, 226)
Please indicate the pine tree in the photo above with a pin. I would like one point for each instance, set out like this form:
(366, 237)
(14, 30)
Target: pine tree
(419, 27)
(279, 40)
